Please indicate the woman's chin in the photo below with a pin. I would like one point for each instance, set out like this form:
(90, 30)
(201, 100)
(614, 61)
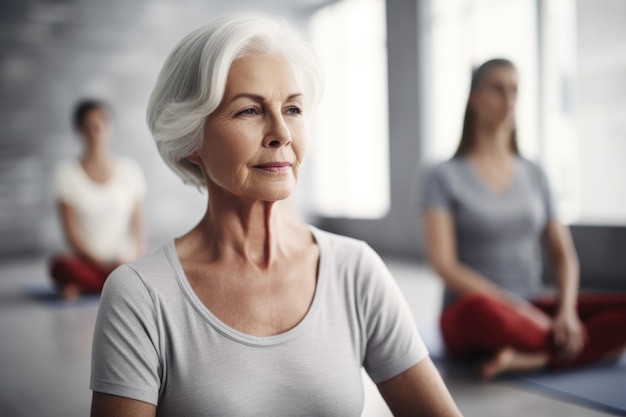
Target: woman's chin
(277, 196)
(269, 194)
(275, 192)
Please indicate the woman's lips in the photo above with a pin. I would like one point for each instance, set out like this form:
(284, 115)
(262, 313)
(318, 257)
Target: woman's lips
(275, 166)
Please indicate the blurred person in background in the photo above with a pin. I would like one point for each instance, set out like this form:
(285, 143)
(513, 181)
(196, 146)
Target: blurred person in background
(487, 211)
(251, 312)
(99, 199)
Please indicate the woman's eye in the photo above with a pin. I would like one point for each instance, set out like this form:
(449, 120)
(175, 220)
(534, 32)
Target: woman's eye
(248, 112)
(294, 110)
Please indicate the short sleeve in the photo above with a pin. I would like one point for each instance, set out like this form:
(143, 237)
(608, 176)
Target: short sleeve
(64, 183)
(546, 192)
(133, 175)
(436, 191)
(393, 343)
(125, 353)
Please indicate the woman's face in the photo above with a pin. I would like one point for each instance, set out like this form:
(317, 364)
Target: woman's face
(95, 128)
(493, 102)
(254, 141)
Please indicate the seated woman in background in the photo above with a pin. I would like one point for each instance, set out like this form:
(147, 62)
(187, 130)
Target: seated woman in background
(486, 212)
(99, 201)
(251, 312)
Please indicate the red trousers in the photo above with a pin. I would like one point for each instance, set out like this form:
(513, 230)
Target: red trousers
(71, 269)
(476, 325)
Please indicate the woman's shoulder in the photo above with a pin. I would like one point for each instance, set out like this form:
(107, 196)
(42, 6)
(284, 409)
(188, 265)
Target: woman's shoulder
(447, 167)
(67, 167)
(445, 172)
(68, 176)
(128, 165)
(335, 241)
(150, 271)
(344, 251)
(130, 173)
(532, 167)
(529, 163)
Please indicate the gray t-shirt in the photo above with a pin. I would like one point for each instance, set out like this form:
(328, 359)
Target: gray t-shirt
(497, 234)
(155, 341)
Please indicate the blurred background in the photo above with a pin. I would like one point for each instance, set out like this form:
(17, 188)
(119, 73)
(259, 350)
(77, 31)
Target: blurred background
(397, 77)
(398, 74)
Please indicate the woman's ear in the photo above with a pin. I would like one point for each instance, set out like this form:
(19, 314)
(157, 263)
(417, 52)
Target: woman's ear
(194, 158)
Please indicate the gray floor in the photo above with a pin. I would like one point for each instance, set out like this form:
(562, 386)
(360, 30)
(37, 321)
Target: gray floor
(45, 348)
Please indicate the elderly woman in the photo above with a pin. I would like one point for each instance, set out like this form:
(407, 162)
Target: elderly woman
(99, 199)
(251, 312)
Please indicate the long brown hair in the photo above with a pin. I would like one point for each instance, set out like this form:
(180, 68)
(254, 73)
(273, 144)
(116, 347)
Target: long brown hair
(468, 134)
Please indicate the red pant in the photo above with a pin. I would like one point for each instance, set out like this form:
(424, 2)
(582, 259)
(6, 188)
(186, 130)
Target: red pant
(476, 325)
(71, 269)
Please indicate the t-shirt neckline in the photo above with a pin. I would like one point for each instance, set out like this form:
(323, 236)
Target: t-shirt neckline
(234, 334)
(484, 186)
(92, 183)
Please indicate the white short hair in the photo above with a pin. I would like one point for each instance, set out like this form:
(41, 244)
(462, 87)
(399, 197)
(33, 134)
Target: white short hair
(192, 81)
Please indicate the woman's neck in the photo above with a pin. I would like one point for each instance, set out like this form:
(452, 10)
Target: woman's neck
(251, 231)
(492, 142)
(98, 165)
(96, 156)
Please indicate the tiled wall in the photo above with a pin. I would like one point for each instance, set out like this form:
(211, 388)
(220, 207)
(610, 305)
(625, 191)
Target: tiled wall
(53, 53)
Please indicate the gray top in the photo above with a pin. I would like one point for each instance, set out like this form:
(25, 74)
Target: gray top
(155, 341)
(497, 234)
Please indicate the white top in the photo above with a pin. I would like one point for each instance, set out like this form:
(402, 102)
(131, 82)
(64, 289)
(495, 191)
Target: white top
(104, 210)
(155, 341)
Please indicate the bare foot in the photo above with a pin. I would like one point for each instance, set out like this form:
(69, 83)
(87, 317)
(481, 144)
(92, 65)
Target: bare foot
(509, 359)
(70, 292)
(497, 364)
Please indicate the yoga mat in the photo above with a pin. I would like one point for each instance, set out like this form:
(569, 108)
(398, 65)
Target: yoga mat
(601, 386)
(47, 294)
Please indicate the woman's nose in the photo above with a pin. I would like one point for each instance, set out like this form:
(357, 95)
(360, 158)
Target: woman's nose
(278, 133)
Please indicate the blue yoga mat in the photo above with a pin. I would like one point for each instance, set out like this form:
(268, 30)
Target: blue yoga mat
(46, 293)
(601, 386)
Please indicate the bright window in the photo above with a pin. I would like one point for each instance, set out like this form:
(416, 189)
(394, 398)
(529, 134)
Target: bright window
(349, 148)
(572, 97)
(560, 147)
(465, 33)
